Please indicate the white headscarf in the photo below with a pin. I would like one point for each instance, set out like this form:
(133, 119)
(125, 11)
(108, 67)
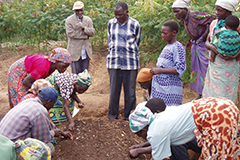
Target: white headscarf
(229, 5)
(140, 117)
(181, 4)
(84, 79)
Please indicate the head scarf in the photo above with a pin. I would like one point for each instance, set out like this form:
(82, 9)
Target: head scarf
(60, 54)
(33, 149)
(229, 5)
(38, 84)
(84, 79)
(181, 4)
(140, 117)
(144, 75)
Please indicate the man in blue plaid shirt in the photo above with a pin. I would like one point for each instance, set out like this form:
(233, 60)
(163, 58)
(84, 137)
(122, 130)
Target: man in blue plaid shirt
(124, 35)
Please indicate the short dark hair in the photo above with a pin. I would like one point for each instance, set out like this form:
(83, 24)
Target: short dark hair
(172, 24)
(232, 22)
(156, 104)
(122, 5)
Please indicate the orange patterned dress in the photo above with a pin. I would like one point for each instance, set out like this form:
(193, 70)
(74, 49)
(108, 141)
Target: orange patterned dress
(218, 121)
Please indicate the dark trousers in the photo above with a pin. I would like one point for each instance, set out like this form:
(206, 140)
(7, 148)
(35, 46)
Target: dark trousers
(128, 79)
(180, 152)
(80, 65)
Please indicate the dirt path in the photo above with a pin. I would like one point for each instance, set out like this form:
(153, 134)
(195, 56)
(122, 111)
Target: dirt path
(95, 137)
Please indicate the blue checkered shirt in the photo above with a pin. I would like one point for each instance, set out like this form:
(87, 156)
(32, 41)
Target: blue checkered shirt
(28, 119)
(123, 43)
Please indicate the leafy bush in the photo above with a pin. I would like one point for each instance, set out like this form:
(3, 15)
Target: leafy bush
(38, 21)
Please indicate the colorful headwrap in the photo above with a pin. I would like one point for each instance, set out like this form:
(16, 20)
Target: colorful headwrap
(181, 4)
(38, 84)
(32, 149)
(229, 5)
(60, 54)
(144, 75)
(140, 117)
(84, 79)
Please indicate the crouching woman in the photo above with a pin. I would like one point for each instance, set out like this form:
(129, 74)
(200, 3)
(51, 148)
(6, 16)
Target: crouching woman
(68, 85)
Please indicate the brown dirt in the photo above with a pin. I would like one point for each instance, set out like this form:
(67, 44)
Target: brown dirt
(95, 136)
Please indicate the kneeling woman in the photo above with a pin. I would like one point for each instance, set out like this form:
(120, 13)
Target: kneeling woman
(68, 85)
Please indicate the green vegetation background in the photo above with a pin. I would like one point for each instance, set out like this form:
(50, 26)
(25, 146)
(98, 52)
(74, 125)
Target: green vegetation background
(27, 22)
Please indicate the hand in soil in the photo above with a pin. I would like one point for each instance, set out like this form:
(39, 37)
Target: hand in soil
(71, 126)
(80, 105)
(57, 132)
(67, 134)
(133, 153)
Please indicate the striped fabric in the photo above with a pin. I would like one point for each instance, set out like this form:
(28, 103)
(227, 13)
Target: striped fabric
(123, 43)
(195, 23)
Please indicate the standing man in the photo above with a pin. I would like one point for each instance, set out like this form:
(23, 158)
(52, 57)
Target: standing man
(78, 29)
(124, 35)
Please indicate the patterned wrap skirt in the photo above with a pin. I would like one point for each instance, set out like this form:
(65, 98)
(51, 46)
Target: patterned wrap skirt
(199, 65)
(218, 121)
(16, 89)
(222, 79)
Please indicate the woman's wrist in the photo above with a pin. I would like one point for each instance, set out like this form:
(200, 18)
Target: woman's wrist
(70, 120)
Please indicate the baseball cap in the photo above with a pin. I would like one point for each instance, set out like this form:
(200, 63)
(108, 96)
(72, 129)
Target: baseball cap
(78, 5)
(49, 93)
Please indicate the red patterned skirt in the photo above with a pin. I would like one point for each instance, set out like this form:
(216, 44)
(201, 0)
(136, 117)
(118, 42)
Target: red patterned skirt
(16, 89)
(218, 121)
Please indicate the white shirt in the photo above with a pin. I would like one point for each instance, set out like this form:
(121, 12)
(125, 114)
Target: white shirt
(174, 126)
